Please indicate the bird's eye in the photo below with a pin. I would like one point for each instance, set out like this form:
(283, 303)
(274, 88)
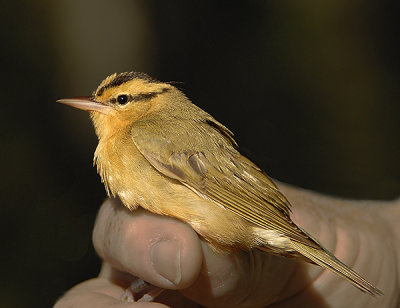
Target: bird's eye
(122, 99)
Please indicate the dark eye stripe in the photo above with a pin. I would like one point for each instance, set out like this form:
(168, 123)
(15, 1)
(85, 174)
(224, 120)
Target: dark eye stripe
(114, 100)
(146, 96)
(139, 97)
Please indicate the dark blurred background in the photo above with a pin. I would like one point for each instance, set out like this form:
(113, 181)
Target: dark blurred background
(310, 88)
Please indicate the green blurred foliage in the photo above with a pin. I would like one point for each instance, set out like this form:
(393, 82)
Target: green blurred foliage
(309, 88)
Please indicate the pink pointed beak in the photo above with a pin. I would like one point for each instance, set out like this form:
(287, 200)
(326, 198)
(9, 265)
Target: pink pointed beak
(85, 103)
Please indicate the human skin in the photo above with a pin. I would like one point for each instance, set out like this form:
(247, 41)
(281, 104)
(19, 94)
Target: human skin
(168, 253)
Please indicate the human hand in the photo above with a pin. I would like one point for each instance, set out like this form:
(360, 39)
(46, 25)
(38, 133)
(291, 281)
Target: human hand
(168, 253)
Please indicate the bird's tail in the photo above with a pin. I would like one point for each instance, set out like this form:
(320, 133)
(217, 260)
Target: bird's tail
(325, 259)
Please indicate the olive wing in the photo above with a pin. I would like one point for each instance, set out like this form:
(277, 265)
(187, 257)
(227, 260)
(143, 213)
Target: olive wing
(201, 155)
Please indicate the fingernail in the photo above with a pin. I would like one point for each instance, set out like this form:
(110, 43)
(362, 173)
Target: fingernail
(166, 260)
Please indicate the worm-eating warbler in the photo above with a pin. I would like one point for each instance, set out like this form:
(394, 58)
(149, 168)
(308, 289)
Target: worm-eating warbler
(159, 151)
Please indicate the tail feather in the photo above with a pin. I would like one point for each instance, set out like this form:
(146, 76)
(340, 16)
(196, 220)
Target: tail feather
(329, 261)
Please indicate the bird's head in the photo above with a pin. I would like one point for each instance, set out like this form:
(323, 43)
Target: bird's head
(122, 99)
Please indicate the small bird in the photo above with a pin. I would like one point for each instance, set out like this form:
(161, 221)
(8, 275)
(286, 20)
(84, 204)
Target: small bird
(159, 151)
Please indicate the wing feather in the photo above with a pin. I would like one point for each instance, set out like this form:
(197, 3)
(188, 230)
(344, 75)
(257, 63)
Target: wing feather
(217, 172)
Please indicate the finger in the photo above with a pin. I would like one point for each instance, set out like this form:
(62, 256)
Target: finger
(160, 250)
(98, 293)
(245, 279)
